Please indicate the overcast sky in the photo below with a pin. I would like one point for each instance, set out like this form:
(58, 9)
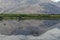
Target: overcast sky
(55, 0)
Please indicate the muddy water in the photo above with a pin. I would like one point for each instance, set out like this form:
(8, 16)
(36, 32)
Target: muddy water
(26, 27)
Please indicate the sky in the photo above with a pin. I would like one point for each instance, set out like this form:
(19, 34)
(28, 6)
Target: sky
(55, 0)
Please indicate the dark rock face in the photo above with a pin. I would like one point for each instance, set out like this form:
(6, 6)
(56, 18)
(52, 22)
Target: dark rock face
(50, 8)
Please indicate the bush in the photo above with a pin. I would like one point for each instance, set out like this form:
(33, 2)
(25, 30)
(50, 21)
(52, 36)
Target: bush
(1, 18)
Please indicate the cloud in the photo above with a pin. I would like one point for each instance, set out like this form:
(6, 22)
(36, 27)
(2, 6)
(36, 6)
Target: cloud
(55, 0)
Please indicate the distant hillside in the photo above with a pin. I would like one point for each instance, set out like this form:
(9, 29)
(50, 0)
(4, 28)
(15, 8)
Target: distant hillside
(29, 6)
(50, 8)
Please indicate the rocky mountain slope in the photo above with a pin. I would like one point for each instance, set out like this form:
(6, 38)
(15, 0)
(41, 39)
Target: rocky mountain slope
(28, 6)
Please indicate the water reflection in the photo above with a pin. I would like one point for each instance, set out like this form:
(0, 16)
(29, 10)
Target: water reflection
(26, 27)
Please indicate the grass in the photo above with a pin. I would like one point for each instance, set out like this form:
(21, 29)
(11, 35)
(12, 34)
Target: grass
(30, 16)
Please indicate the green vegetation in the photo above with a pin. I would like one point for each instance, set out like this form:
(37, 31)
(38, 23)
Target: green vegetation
(30, 16)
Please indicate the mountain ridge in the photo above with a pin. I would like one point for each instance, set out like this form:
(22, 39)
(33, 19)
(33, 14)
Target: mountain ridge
(28, 6)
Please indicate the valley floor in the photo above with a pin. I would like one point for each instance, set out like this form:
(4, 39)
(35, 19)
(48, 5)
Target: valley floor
(30, 16)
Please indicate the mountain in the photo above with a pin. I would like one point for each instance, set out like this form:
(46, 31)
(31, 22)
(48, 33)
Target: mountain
(53, 34)
(29, 29)
(28, 6)
(25, 27)
(50, 8)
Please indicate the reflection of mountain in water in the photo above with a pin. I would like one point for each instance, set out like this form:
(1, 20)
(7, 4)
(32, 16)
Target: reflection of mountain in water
(26, 27)
(53, 34)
